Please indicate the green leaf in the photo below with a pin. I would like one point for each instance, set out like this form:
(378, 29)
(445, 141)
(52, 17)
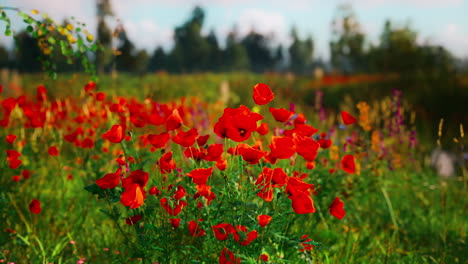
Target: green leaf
(30, 29)
(95, 189)
(51, 40)
(106, 213)
(53, 75)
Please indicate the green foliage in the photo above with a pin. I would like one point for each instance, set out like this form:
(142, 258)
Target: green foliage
(347, 46)
(300, 53)
(43, 38)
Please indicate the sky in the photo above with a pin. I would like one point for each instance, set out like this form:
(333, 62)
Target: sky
(151, 22)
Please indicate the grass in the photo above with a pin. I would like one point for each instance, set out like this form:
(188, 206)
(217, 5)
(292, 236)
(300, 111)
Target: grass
(405, 215)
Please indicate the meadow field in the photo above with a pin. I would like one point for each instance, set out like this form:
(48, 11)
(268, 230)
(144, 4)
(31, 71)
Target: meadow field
(225, 168)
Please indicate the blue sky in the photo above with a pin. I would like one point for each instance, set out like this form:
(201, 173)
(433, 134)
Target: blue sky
(150, 22)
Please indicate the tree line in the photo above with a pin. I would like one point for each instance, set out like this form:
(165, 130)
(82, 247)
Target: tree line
(397, 51)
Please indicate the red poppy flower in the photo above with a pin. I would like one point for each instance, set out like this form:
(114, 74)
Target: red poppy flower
(35, 206)
(154, 191)
(214, 152)
(115, 134)
(166, 163)
(221, 165)
(195, 230)
(347, 164)
(53, 151)
(133, 196)
(222, 231)
(100, 96)
(307, 147)
(178, 206)
(337, 208)
(72, 137)
(249, 154)
(263, 220)
(264, 257)
(277, 177)
(179, 192)
(300, 119)
(347, 118)
(301, 129)
(8, 104)
(26, 174)
(110, 180)
(262, 94)
(268, 180)
(310, 165)
(205, 191)
(160, 140)
(195, 153)
(186, 139)
(10, 139)
(305, 245)
(263, 129)
(90, 86)
(302, 203)
(12, 154)
(87, 143)
(41, 93)
(297, 184)
(175, 222)
(324, 143)
(14, 163)
(248, 237)
(237, 124)
(12, 158)
(174, 121)
(201, 140)
(227, 257)
(280, 114)
(156, 119)
(133, 219)
(282, 147)
(200, 176)
(138, 177)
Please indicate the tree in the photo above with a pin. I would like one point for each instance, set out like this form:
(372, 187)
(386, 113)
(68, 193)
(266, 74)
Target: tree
(4, 57)
(142, 60)
(347, 45)
(279, 58)
(104, 36)
(191, 50)
(235, 55)
(300, 53)
(158, 61)
(126, 60)
(27, 53)
(258, 51)
(214, 60)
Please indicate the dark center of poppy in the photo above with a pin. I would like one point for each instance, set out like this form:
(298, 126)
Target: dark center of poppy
(242, 131)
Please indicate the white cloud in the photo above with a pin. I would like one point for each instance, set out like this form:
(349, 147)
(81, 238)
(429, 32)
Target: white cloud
(414, 3)
(268, 23)
(455, 38)
(57, 9)
(147, 34)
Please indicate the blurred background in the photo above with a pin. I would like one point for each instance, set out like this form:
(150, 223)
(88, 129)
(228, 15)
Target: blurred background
(362, 48)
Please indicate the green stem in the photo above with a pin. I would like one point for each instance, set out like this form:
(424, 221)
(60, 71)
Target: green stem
(390, 207)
